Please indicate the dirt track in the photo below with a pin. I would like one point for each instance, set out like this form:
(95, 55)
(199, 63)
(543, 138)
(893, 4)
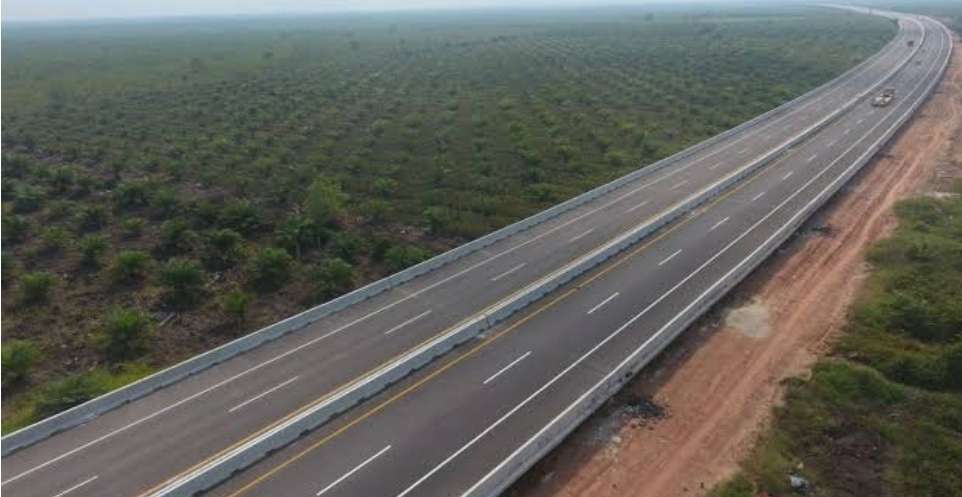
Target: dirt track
(719, 383)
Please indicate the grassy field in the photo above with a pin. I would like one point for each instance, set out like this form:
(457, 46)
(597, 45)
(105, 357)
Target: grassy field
(168, 186)
(883, 415)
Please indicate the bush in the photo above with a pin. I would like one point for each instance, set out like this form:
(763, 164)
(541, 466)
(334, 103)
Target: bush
(91, 218)
(176, 237)
(348, 246)
(401, 257)
(240, 216)
(124, 333)
(35, 287)
(235, 304)
(222, 249)
(133, 227)
(28, 199)
(130, 266)
(54, 239)
(270, 269)
(92, 248)
(324, 201)
(18, 358)
(14, 228)
(64, 394)
(132, 194)
(332, 277)
(184, 280)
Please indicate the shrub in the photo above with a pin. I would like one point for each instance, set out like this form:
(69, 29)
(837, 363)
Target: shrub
(240, 216)
(64, 394)
(35, 287)
(331, 277)
(54, 239)
(92, 217)
(270, 269)
(14, 228)
(164, 203)
(124, 333)
(401, 257)
(92, 248)
(184, 280)
(133, 227)
(28, 199)
(235, 304)
(222, 248)
(129, 266)
(132, 194)
(348, 246)
(176, 237)
(324, 201)
(18, 358)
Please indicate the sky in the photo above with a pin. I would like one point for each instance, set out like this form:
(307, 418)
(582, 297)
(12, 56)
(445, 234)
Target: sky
(18, 10)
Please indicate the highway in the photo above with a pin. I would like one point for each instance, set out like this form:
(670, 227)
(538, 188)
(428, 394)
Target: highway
(452, 428)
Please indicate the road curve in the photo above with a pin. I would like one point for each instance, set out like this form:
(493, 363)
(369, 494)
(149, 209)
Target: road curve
(464, 417)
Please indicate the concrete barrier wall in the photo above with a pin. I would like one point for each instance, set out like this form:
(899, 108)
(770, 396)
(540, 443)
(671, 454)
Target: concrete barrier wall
(521, 461)
(89, 410)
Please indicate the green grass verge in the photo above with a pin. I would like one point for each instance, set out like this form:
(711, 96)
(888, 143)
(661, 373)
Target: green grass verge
(62, 394)
(883, 416)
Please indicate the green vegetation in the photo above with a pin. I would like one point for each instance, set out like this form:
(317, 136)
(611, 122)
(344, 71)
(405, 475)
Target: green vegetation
(124, 334)
(883, 417)
(161, 167)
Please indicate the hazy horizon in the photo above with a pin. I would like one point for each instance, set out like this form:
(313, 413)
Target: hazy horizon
(68, 10)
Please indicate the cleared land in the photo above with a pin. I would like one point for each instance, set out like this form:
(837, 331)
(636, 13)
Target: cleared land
(169, 187)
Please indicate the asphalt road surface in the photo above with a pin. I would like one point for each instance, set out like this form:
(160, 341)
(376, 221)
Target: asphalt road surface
(442, 431)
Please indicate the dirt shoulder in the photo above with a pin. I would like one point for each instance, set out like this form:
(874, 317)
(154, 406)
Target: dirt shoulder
(713, 391)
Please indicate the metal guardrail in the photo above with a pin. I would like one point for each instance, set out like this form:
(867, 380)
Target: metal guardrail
(278, 436)
(527, 455)
(89, 410)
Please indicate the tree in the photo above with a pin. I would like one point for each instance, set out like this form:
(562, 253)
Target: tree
(129, 266)
(332, 276)
(92, 247)
(222, 248)
(18, 359)
(324, 201)
(184, 280)
(270, 269)
(235, 304)
(402, 256)
(35, 287)
(124, 333)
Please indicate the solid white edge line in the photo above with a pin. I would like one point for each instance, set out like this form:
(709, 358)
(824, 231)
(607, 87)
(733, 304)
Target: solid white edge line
(509, 366)
(263, 394)
(661, 330)
(502, 275)
(409, 321)
(351, 472)
(670, 257)
(603, 302)
(75, 487)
